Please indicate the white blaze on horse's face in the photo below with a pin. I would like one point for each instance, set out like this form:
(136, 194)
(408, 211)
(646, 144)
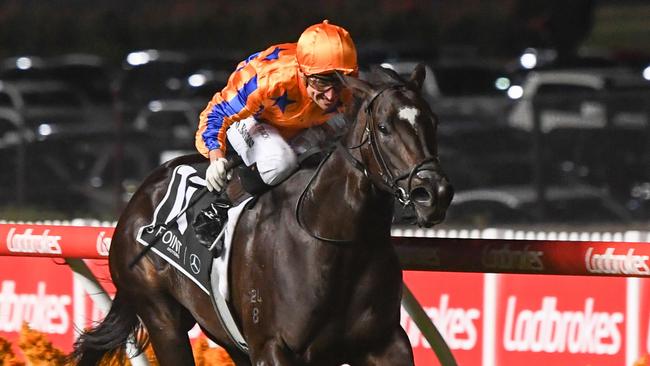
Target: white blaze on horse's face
(409, 114)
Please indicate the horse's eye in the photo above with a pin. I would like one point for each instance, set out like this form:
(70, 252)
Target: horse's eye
(383, 129)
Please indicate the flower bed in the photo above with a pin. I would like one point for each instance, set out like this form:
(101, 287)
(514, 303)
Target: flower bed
(37, 350)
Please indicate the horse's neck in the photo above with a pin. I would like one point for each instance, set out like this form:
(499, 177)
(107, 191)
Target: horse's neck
(351, 206)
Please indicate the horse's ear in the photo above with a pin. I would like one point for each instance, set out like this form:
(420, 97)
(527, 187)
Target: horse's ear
(417, 76)
(359, 87)
(384, 75)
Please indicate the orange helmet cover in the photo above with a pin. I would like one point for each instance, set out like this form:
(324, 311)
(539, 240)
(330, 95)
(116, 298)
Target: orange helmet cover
(324, 48)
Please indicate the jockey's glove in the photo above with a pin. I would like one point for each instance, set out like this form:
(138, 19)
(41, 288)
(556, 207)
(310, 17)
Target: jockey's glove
(217, 176)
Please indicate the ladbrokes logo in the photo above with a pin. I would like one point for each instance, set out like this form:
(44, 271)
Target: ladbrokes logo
(457, 325)
(506, 258)
(612, 263)
(103, 244)
(33, 243)
(551, 330)
(43, 312)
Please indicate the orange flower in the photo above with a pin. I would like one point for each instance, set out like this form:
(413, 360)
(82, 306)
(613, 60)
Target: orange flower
(7, 356)
(38, 350)
(206, 356)
(643, 361)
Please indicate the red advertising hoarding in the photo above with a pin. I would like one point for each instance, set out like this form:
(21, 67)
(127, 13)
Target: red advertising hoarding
(39, 291)
(644, 316)
(551, 320)
(486, 319)
(454, 302)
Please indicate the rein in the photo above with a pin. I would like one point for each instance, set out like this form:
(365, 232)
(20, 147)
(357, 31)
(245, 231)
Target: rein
(387, 180)
(301, 199)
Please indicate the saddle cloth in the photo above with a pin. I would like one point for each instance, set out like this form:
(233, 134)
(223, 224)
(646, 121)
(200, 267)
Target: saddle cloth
(170, 231)
(173, 238)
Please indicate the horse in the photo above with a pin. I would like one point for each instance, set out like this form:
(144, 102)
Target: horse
(314, 278)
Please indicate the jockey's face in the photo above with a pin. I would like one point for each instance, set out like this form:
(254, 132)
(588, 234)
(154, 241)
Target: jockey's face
(324, 90)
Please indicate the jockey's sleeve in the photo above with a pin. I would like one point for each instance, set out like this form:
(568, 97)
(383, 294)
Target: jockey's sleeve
(241, 98)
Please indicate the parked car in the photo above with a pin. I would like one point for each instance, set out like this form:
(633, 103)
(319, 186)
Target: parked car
(151, 74)
(479, 154)
(91, 167)
(201, 85)
(45, 106)
(87, 73)
(22, 95)
(462, 90)
(581, 99)
(13, 138)
(116, 170)
(169, 126)
(514, 205)
(25, 67)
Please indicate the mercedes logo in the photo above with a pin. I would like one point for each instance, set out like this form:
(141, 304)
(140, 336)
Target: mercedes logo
(195, 263)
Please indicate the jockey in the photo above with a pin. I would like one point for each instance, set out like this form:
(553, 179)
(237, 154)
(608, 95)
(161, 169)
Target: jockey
(269, 100)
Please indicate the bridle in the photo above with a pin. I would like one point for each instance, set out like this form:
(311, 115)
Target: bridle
(387, 180)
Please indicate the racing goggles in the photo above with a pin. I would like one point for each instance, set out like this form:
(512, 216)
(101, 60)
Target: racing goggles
(324, 82)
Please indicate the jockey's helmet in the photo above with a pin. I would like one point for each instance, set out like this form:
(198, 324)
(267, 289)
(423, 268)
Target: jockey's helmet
(324, 48)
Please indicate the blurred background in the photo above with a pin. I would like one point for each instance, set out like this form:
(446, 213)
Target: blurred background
(544, 106)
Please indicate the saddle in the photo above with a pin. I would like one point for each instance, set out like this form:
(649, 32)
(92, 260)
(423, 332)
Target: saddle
(209, 224)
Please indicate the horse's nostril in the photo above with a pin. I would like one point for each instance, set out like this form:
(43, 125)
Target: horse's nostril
(421, 195)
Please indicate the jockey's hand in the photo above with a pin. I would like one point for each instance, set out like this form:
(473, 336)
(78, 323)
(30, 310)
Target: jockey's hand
(217, 176)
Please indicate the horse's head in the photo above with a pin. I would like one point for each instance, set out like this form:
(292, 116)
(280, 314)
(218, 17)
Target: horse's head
(395, 132)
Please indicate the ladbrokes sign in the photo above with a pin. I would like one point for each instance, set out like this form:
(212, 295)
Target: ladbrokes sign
(506, 258)
(552, 320)
(30, 242)
(534, 320)
(551, 330)
(53, 240)
(454, 302)
(42, 293)
(43, 310)
(611, 262)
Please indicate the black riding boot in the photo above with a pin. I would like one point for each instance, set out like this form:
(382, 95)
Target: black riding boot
(209, 223)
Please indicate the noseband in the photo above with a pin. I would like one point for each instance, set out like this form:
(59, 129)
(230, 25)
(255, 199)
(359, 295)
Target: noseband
(387, 181)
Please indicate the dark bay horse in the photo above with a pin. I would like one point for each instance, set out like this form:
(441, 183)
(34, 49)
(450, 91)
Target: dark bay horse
(314, 278)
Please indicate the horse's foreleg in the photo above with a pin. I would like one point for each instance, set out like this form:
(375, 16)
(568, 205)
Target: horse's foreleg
(167, 324)
(397, 352)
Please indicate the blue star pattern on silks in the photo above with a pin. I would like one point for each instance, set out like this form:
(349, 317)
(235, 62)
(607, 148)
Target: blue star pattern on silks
(274, 55)
(283, 101)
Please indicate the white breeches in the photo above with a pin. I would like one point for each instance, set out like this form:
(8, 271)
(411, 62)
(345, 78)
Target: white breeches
(261, 144)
